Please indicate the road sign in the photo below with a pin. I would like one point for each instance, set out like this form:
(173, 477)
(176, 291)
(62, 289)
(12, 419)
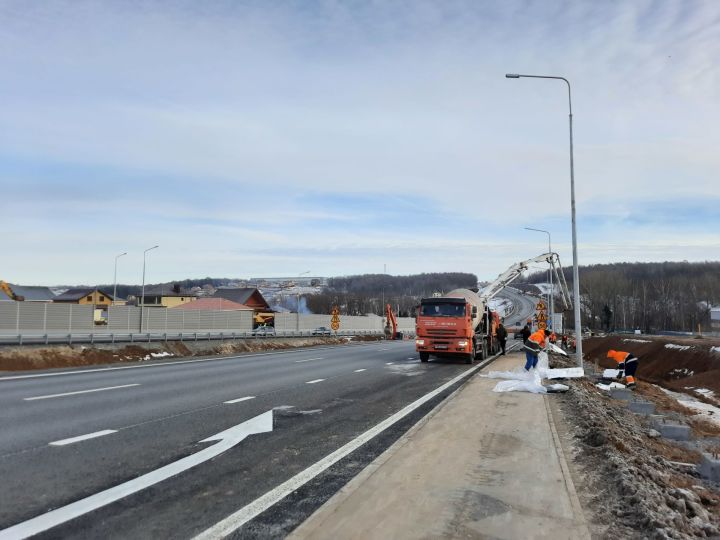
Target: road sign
(542, 317)
(542, 326)
(540, 306)
(335, 319)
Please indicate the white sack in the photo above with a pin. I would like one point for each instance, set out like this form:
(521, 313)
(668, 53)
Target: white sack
(611, 373)
(557, 350)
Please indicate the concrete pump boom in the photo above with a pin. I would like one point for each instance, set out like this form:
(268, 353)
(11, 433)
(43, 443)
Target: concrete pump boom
(516, 270)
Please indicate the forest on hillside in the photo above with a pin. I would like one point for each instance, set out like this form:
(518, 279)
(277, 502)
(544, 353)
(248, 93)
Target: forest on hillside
(665, 296)
(363, 294)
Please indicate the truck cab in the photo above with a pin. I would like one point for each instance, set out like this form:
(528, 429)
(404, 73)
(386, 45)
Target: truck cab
(454, 326)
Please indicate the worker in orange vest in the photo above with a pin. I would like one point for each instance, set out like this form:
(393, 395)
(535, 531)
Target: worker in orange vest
(553, 337)
(533, 345)
(627, 363)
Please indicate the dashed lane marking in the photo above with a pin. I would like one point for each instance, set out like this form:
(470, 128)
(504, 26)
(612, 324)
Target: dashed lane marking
(238, 400)
(80, 392)
(308, 360)
(79, 438)
(315, 381)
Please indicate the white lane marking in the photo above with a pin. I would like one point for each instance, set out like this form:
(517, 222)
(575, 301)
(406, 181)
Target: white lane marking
(227, 439)
(176, 362)
(81, 392)
(308, 360)
(315, 381)
(359, 370)
(385, 349)
(259, 505)
(412, 358)
(389, 363)
(238, 400)
(79, 438)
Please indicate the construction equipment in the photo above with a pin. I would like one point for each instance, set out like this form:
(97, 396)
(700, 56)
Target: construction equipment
(391, 325)
(5, 287)
(461, 322)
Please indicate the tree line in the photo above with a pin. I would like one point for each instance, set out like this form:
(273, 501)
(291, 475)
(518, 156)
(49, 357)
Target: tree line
(665, 296)
(367, 293)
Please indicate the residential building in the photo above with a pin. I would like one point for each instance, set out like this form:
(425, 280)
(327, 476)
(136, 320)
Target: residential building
(25, 293)
(250, 297)
(168, 296)
(99, 298)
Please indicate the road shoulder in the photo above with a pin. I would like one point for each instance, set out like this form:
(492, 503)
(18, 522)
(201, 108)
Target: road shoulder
(483, 464)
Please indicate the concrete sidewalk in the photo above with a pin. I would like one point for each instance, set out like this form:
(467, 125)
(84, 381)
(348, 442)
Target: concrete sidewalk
(484, 465)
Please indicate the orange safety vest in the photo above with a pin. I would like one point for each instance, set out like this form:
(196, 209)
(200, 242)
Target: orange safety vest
(618, 356)
(538, 337)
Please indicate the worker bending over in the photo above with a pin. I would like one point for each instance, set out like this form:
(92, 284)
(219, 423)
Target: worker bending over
(534, 344)
(627, 363)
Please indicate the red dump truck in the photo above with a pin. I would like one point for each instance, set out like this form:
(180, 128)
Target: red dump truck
(458, 323)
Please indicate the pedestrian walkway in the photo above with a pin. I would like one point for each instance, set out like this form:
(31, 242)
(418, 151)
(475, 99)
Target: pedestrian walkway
(484, 465)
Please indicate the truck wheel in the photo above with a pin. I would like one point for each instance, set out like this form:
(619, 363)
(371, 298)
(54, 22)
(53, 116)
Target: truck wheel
(470, 358)
(424, 356)
(485, 349)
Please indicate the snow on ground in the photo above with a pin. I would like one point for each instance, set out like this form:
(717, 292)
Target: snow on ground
(678, 347)
(681, 372)
(703, 410)
(544, 288)
(715, 349)
(637, 340)
(703, 391)
(503, 306)
(157, 355)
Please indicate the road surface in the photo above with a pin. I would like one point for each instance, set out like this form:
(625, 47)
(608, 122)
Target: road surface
(524, 307)
(67, 436)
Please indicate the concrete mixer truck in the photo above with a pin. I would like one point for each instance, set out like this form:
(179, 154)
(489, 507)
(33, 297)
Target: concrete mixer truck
(460, 323)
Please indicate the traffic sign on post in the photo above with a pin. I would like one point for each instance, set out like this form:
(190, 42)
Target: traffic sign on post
(335, 319)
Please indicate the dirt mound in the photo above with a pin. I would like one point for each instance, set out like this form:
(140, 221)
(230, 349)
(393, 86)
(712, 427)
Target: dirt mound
(60, 356)
(632, 484)
(676, 363)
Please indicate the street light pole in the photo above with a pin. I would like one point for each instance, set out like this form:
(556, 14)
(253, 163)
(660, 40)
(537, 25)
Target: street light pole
(551, 304)
(576, 272)
(142, 296)
(115, 278)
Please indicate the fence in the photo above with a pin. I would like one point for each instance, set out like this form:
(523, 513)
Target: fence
(47, 319)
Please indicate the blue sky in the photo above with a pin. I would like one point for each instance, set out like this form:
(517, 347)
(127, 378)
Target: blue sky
(259, 138)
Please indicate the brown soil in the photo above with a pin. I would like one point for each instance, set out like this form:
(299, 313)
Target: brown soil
(674, 369)
(60, 356)
(631, 484)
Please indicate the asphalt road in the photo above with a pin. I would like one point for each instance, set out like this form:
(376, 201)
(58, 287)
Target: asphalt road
(524, 307)
(146, 417)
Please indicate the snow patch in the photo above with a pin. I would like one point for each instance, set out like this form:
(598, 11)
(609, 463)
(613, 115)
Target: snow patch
(678, 347)
(157, 355)
(607, 387)
(715, 349)
(629, 340)
(701, 409)
(681, 372)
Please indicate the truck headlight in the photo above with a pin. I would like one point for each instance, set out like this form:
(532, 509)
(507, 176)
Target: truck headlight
(420, 342)
(462, 343)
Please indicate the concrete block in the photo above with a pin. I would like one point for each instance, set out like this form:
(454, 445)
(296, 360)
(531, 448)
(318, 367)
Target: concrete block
(642, 407)
(709, 467)
(621, 393)
(673, 430)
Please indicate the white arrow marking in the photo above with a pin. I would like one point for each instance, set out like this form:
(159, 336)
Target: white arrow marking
(227, 439)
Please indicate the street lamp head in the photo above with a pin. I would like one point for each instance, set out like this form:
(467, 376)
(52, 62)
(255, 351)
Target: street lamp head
(512, 76)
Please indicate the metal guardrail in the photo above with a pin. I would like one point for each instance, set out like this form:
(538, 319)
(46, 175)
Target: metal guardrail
(149, 337)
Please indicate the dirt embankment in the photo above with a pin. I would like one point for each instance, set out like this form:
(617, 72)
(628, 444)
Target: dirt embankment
(60, 356)
(632, 483)
(677, 363)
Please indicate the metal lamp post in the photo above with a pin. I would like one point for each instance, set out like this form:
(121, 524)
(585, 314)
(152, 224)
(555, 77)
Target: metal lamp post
(576, 273)
(142, 296)
(115, 278)
(551, 305)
